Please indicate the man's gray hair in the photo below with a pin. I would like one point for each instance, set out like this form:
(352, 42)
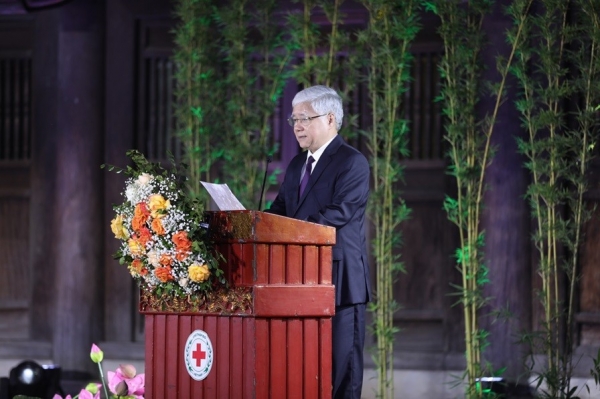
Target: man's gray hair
(324, 100)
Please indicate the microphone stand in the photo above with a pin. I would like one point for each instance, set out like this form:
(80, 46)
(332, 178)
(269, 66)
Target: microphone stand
(268, 161)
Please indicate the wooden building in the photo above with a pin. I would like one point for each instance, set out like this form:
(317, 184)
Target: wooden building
(82, 81)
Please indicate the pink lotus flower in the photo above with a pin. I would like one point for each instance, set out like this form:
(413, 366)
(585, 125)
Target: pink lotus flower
(96, 354)
(124, 381)
(84, 394)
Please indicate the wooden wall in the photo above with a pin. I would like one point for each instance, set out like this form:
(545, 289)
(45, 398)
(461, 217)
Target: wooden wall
(16, 45)
(588, 317)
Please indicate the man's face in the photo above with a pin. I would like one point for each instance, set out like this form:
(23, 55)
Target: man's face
(318, 131)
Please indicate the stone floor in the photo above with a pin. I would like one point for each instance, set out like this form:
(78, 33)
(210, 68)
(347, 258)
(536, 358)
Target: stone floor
(421, 384)
(408, 384)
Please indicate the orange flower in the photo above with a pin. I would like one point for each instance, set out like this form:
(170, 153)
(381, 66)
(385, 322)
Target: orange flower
(137, 267)
(138, 222)
(140, 216)
(166, 260)
(163, 273)
(141, 209)
(181, 255)
(157, 227)
(145, 235)
(136, 247)
(182, 242)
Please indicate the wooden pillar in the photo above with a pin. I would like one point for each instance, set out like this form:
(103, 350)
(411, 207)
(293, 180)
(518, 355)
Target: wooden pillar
(69, 119)
(125, 19)
(43, 175)
(120, 112)
(505, 220)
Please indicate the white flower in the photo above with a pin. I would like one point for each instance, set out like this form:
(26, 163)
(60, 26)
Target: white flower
(144, 179)
(154, 258)
(136, 193)
(183, 282)
(130, 193)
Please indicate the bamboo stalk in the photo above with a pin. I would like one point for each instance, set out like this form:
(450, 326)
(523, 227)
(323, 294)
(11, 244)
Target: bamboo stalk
(334, 28)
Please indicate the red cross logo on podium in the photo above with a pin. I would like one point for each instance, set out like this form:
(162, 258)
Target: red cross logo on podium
(199, 354)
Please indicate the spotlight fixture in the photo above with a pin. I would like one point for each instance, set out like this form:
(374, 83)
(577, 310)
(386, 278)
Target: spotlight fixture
(31, 379)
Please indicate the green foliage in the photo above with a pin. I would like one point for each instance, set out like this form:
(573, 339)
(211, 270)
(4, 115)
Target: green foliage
(392, 28)
(470, 153)
(559, 62)
(198, 74)
(257, 66)
(322, 62)
(328, 57)
(232, 63)
(595, 372)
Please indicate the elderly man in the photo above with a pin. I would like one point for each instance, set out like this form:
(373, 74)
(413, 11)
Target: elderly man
(329, 184)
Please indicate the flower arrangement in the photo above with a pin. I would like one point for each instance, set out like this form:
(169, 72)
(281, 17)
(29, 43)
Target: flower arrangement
(164, 242)
(124, 383)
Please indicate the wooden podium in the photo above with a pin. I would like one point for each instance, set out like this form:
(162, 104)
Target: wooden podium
(277, 344)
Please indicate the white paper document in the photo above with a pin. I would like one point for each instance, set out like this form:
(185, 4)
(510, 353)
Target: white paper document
(222, 196)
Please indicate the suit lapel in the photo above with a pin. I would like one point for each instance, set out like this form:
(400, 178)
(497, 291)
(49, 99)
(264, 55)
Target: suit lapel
(324, 161)
(295, 178)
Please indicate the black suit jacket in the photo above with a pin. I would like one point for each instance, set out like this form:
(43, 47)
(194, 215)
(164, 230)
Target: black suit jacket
(336, 195)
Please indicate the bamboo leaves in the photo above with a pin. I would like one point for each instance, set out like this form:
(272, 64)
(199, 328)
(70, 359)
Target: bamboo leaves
(231, 84)
(559, 62)
(460, 70)
(469, 138)
(392, 27)
(196, 74)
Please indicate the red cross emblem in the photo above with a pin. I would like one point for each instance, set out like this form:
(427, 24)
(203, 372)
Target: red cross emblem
(198, 354)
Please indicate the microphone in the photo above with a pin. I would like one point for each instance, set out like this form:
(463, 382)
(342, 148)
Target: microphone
(264, 181)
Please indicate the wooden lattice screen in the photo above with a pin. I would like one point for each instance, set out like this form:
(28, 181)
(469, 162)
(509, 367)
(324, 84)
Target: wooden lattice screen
(15, 108)
(15, 156)
(421, 109)
(156, 122)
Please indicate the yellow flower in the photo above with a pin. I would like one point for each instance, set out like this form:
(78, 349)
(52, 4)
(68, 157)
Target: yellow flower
(118, 228)
(136, 248)
(198, 272)
(158, 204)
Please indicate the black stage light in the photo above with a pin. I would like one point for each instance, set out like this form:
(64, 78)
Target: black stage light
(27, 378)
(31, 379)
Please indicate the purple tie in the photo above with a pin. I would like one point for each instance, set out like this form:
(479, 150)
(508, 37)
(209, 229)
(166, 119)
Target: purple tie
(306, 176)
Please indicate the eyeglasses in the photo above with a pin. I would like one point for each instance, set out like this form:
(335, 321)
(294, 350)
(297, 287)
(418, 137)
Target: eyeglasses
(303, 121)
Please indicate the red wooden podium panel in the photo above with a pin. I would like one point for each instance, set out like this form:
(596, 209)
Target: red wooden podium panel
(281, 346)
